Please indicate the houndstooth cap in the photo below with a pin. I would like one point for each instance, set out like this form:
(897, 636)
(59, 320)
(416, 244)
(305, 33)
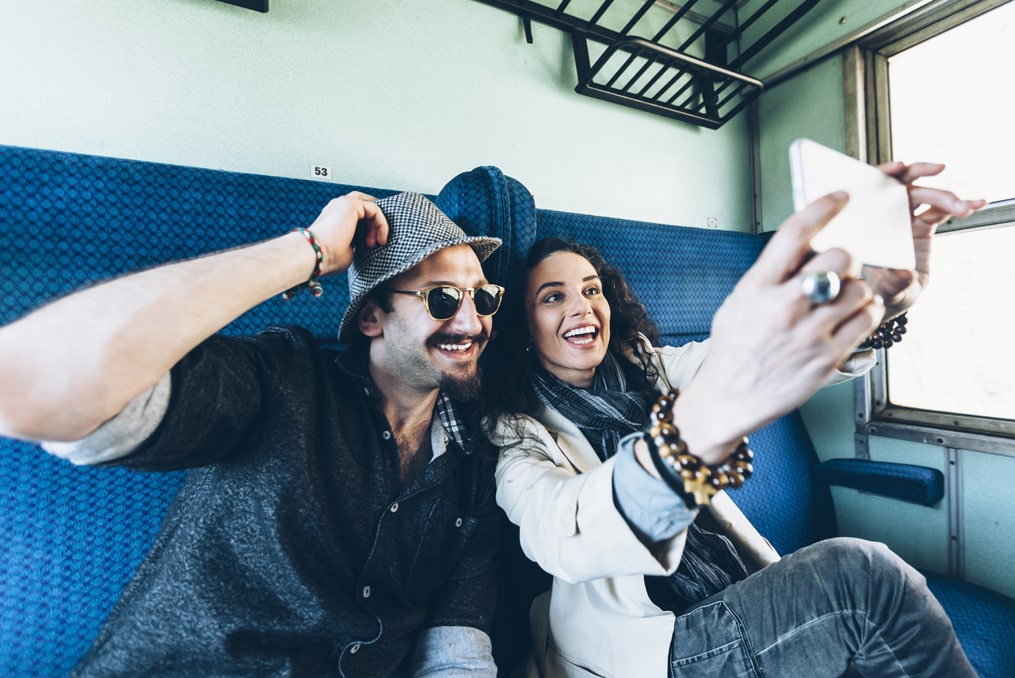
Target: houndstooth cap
(417, 229)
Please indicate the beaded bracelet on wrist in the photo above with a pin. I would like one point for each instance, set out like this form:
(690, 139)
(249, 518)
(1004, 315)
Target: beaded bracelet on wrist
(889, 333)
(685, 473)
(314, 284)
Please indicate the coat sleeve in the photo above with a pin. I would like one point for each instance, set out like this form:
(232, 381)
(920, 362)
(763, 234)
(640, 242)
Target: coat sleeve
(568, 521)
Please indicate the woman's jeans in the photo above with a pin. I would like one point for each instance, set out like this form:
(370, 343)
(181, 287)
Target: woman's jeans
(838, 605)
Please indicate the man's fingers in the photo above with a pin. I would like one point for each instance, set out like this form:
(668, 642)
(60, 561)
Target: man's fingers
(376, 225)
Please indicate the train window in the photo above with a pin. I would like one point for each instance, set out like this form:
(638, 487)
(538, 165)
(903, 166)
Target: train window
(936, 95)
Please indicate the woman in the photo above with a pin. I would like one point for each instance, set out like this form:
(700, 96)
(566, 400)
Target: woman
(644, 584)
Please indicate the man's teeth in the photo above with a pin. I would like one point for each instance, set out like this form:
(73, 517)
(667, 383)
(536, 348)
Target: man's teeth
(455, 347)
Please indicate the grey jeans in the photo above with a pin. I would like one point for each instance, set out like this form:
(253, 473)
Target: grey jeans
(841, 605)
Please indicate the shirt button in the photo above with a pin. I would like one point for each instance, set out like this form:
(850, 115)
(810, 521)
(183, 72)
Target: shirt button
(386, 435)
(394, 507)
(354, 649)
(458, 522)
(366, 591)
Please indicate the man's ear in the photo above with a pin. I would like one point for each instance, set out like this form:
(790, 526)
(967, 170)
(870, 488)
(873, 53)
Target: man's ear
(369, 319)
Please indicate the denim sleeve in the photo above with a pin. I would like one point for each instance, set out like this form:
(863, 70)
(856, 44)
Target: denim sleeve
(453, 652)
(649, 506)
(122, 434)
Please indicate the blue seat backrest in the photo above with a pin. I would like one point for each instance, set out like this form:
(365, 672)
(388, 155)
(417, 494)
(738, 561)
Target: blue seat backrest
(74, 536)
(782, 500)
(68, 219)
(681, 274)
(485, 200)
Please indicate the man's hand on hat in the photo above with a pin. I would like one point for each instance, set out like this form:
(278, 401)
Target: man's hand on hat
(336, 226)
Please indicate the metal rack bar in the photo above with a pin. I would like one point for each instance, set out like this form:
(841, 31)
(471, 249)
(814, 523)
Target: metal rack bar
(649, 75)
(708, 114)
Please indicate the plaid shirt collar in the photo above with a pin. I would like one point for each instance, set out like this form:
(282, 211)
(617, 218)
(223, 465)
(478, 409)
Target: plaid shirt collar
(450, 419)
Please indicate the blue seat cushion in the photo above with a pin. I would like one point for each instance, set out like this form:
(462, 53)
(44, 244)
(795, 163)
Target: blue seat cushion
(72, 538)
(984, 622)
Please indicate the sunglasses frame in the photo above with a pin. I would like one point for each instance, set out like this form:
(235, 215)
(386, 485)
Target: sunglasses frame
(424, 294)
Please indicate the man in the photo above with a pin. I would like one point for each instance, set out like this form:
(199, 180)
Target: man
(339, 518)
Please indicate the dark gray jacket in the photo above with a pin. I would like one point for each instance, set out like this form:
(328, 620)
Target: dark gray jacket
(291, 549)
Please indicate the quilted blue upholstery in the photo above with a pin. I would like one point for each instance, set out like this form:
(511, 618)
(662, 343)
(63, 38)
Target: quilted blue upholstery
(782, 499)
(68, 219)
(72, 537)
(486, 196)
(983, 621)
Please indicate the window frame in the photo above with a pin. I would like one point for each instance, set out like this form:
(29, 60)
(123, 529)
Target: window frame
(866, 70)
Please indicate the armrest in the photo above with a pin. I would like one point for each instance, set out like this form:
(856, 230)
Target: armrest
(908, 482)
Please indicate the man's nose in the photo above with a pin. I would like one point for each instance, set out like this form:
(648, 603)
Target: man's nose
(466, 319)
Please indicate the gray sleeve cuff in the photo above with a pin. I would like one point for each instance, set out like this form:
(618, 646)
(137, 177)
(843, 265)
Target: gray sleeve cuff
(121, 435)
(649, 506)
(453, 652)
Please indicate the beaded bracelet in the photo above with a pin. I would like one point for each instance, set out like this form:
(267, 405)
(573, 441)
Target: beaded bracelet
(887, 334)
(685, 473)
(314, 284)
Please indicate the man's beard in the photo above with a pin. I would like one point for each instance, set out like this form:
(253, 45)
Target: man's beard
(463, 388)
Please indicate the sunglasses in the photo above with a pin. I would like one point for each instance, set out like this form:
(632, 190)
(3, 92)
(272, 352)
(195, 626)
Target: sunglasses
(443, 301)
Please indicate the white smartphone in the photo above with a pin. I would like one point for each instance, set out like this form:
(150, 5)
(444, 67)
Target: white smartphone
(875, 224)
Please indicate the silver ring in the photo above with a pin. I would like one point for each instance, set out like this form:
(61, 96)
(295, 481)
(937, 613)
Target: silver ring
(821, 287)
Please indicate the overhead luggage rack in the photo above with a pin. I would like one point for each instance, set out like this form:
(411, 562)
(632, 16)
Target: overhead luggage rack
(681, 60)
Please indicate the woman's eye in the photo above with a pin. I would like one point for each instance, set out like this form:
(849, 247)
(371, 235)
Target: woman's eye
(593, 292)
(552, 298)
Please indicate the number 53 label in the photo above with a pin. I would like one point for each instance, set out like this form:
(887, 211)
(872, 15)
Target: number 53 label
(320, 172)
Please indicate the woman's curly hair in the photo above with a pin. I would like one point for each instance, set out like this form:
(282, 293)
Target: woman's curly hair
(508, 364)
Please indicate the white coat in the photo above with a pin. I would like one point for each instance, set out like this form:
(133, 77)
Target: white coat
(598, 619)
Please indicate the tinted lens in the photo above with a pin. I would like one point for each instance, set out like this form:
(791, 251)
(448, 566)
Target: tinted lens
(487, 299)
(443, 302)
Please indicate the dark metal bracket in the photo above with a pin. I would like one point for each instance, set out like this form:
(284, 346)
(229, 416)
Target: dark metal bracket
(690, 69)
(256, 5)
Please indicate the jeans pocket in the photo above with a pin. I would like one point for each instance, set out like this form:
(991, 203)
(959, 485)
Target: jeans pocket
(710, 641)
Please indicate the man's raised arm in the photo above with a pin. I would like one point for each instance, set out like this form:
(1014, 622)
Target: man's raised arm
(72, 364)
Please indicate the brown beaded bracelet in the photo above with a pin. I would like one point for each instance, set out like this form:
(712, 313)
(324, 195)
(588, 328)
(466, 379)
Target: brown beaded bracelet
(888, 333)
(685, 473)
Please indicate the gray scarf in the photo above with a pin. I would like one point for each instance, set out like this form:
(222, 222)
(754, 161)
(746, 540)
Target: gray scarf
(605, 412)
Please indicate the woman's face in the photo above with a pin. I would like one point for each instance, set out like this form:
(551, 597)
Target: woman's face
(568, 316)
